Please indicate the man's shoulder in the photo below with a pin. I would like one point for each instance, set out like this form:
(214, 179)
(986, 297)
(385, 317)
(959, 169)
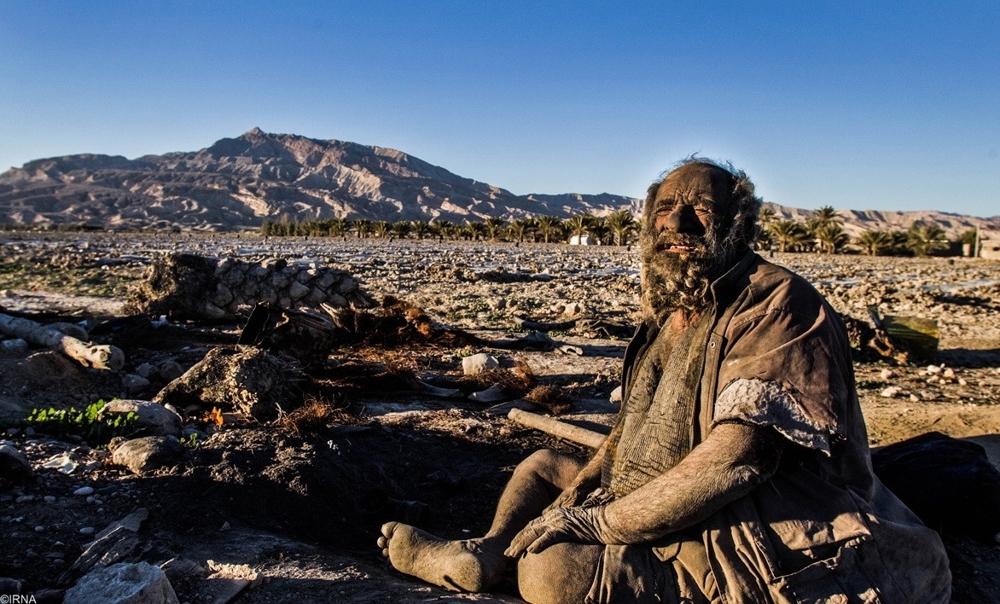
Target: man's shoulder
(780, 286)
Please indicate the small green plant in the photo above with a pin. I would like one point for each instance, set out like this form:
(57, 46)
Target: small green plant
(88, 424)
(190, 442)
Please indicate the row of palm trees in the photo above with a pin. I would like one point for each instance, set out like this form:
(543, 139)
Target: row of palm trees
(824, 233)
(617, 228)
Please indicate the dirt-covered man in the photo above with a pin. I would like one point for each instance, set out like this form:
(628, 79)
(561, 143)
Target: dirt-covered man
(738, 469)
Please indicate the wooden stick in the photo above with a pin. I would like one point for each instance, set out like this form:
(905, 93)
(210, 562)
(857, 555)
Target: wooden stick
(576, 434)
(88, 355)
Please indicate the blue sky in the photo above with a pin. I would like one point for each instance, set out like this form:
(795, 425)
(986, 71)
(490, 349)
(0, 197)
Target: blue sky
(863, 105)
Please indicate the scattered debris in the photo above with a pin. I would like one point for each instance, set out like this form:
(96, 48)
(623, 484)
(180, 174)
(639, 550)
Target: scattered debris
(88, 355)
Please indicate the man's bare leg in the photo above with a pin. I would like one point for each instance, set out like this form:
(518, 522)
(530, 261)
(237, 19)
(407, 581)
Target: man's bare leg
(477, 564)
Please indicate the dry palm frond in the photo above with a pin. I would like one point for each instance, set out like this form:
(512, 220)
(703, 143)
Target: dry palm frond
(553, 399)
(314, 416)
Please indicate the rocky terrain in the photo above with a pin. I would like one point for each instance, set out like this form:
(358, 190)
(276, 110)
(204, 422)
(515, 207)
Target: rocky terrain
(237, 183)
(287, 510)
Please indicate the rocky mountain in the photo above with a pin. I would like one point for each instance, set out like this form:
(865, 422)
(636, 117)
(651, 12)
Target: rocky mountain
(237, 183)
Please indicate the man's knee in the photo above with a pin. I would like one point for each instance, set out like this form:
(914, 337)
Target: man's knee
(561, 574)
(552, 466)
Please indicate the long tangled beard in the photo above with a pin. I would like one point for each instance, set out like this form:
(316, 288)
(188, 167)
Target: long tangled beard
(672, 281)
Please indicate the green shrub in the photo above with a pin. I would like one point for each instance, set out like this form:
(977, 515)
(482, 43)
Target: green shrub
(87, 424)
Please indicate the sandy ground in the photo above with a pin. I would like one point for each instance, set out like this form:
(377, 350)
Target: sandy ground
(407, 437)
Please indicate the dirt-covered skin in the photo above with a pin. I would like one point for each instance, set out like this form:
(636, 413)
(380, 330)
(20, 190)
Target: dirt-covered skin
(269, 486)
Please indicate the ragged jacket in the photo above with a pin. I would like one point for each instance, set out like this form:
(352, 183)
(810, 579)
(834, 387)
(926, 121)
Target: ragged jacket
(823, 528)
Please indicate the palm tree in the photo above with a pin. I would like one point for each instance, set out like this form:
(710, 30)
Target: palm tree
(473, 230)
(766, 217)
(420, 228)
(580, 224)
(401, 228)
(549, 227)
(338, 227)
(788, 233)
(924, 240)
(874, 243)
(600, 231)
(381, 228)
(622, 224)
(824, 216)
(494, 227)
(361, 226)
(831, 238)
(441, 228)
(520, 228)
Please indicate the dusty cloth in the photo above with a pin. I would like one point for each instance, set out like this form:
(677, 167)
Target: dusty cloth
(655, 429)
(822, 528)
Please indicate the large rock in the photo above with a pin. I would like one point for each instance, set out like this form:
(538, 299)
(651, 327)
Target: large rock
(478, 363)
(159, 420)
(14, 466)
(146, 454)
(245, 379)
(123, 583)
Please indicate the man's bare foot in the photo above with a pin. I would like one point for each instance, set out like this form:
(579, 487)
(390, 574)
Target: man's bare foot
(468, 565)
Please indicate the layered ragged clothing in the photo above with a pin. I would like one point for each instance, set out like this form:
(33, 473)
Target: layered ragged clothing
(768, 351)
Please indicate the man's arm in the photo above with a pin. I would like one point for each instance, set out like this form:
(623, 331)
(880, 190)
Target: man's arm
(732, 461)
(586, 481)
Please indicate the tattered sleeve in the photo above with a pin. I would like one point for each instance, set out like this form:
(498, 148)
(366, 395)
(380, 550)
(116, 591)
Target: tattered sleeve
(784, 366)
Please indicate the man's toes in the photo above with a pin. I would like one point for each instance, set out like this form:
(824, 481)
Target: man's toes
(388, 528)
(383, 542)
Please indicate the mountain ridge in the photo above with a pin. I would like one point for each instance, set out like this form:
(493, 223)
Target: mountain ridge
(237, 183)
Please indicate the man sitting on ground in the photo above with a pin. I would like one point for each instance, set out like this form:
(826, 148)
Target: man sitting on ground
(738, 469)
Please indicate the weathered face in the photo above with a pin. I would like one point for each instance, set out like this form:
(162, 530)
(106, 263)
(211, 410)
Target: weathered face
(688, 204)
(685, 223)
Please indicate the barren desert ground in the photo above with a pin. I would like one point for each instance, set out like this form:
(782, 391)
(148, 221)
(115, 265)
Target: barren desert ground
(302, 508)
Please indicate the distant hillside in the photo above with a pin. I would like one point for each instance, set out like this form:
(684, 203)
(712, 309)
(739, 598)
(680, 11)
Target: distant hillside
(237, 183)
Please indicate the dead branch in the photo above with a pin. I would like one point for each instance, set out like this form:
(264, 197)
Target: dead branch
(88, 355)
(576, 434)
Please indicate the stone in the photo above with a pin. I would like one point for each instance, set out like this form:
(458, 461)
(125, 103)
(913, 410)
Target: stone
(885, 374)
(159, 420)
(133, 383)
(16, 346)
(142, 455)
(123, 583)
(84, 491)
(297, 291)
(211, 311)
(890, 392)
(70, 329)
(249, 379)
(145, 370)
(337, 301)
(478, 363)
(14, 466)
(347, 285)
(616, 395)
(315, 297)
(933, 369)
(170, 370)
(223, 295)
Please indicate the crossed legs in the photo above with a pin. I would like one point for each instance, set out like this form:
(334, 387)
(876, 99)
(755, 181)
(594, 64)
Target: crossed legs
(477, 564)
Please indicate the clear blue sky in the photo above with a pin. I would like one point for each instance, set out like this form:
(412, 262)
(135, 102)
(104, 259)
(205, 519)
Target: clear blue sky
(862, 105)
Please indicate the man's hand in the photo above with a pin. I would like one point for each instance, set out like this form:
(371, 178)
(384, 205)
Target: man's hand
(575, 525)
(570, 497)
